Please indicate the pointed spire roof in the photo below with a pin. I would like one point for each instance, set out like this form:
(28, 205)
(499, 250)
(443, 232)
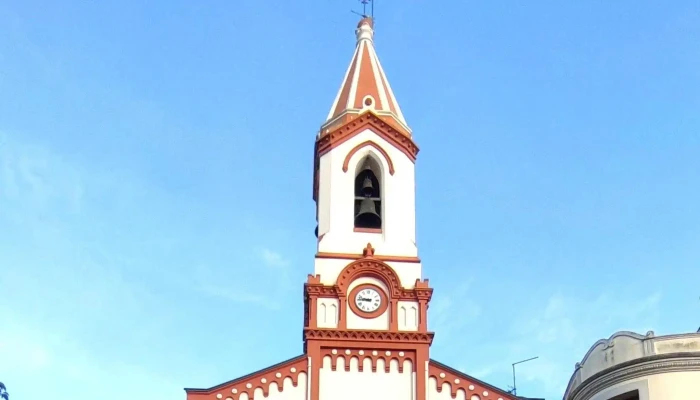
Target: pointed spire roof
(365, 86)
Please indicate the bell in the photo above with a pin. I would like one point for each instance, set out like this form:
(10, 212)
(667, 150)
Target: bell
(367, 187)
(367, 217)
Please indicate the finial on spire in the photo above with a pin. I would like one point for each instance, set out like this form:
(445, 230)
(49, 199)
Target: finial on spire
(365, 28)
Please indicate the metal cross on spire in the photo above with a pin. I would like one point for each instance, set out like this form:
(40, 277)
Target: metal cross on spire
(364, 7)
(365, 4)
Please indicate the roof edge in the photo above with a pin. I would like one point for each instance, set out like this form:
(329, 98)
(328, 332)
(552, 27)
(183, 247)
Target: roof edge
(336, 121)
(248, 376)
(387, 131)
(467, 376)
(570, 392)
(606, 342)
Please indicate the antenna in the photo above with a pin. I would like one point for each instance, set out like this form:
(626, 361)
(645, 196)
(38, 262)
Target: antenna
(364, 14)
(513, 391)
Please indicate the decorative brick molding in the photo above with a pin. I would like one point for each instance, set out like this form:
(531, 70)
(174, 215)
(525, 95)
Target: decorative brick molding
(459, 381)
(346, 162)
(368, 119)
(373, 355)
(369, 265)
(315, 288)
(363, 336)
(248, 384)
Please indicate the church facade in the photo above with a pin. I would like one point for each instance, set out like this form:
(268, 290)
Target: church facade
(366, 305)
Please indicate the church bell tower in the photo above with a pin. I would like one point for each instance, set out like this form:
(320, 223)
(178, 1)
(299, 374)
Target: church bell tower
(366, 295)
(365, 329)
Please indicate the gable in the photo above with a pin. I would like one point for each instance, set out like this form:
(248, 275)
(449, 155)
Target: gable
(458, 385)
(276, 378)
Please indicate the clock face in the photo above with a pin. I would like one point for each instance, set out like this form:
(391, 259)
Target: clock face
(368, 300)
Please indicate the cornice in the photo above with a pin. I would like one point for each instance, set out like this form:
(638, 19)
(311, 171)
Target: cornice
(349, 114)
(610, 342)
(328, 140)
(333, 291)
(368, 266)
(652, 365)
(385, 258)
(333, 335)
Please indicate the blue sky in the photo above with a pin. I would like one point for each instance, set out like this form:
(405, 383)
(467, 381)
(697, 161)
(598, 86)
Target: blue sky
(156, 221)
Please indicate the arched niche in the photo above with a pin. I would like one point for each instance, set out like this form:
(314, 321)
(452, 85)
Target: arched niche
(369, 268)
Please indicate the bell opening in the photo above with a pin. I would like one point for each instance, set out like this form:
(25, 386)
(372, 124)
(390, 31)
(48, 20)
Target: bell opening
(368, 202)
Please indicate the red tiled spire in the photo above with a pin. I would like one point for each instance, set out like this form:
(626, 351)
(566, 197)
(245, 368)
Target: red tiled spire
(365, 86)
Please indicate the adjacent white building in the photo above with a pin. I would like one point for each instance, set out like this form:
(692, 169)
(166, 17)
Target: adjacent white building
(629, 366)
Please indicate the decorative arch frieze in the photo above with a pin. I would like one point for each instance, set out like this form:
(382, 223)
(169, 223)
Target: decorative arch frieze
(373, 355)
(381, 337)
(369, 267)
(387, 158)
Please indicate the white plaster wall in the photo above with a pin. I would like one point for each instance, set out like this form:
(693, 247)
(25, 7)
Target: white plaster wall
(675, 386)
(327, 313)
(366, 385)
(446, 392)
(354, 321)
(290, 392)
(668, 386)
(408, 315)
(336, 200)
(330, 268)
(324, 194)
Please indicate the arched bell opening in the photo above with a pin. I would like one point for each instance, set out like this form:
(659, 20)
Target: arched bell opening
(368, 196)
